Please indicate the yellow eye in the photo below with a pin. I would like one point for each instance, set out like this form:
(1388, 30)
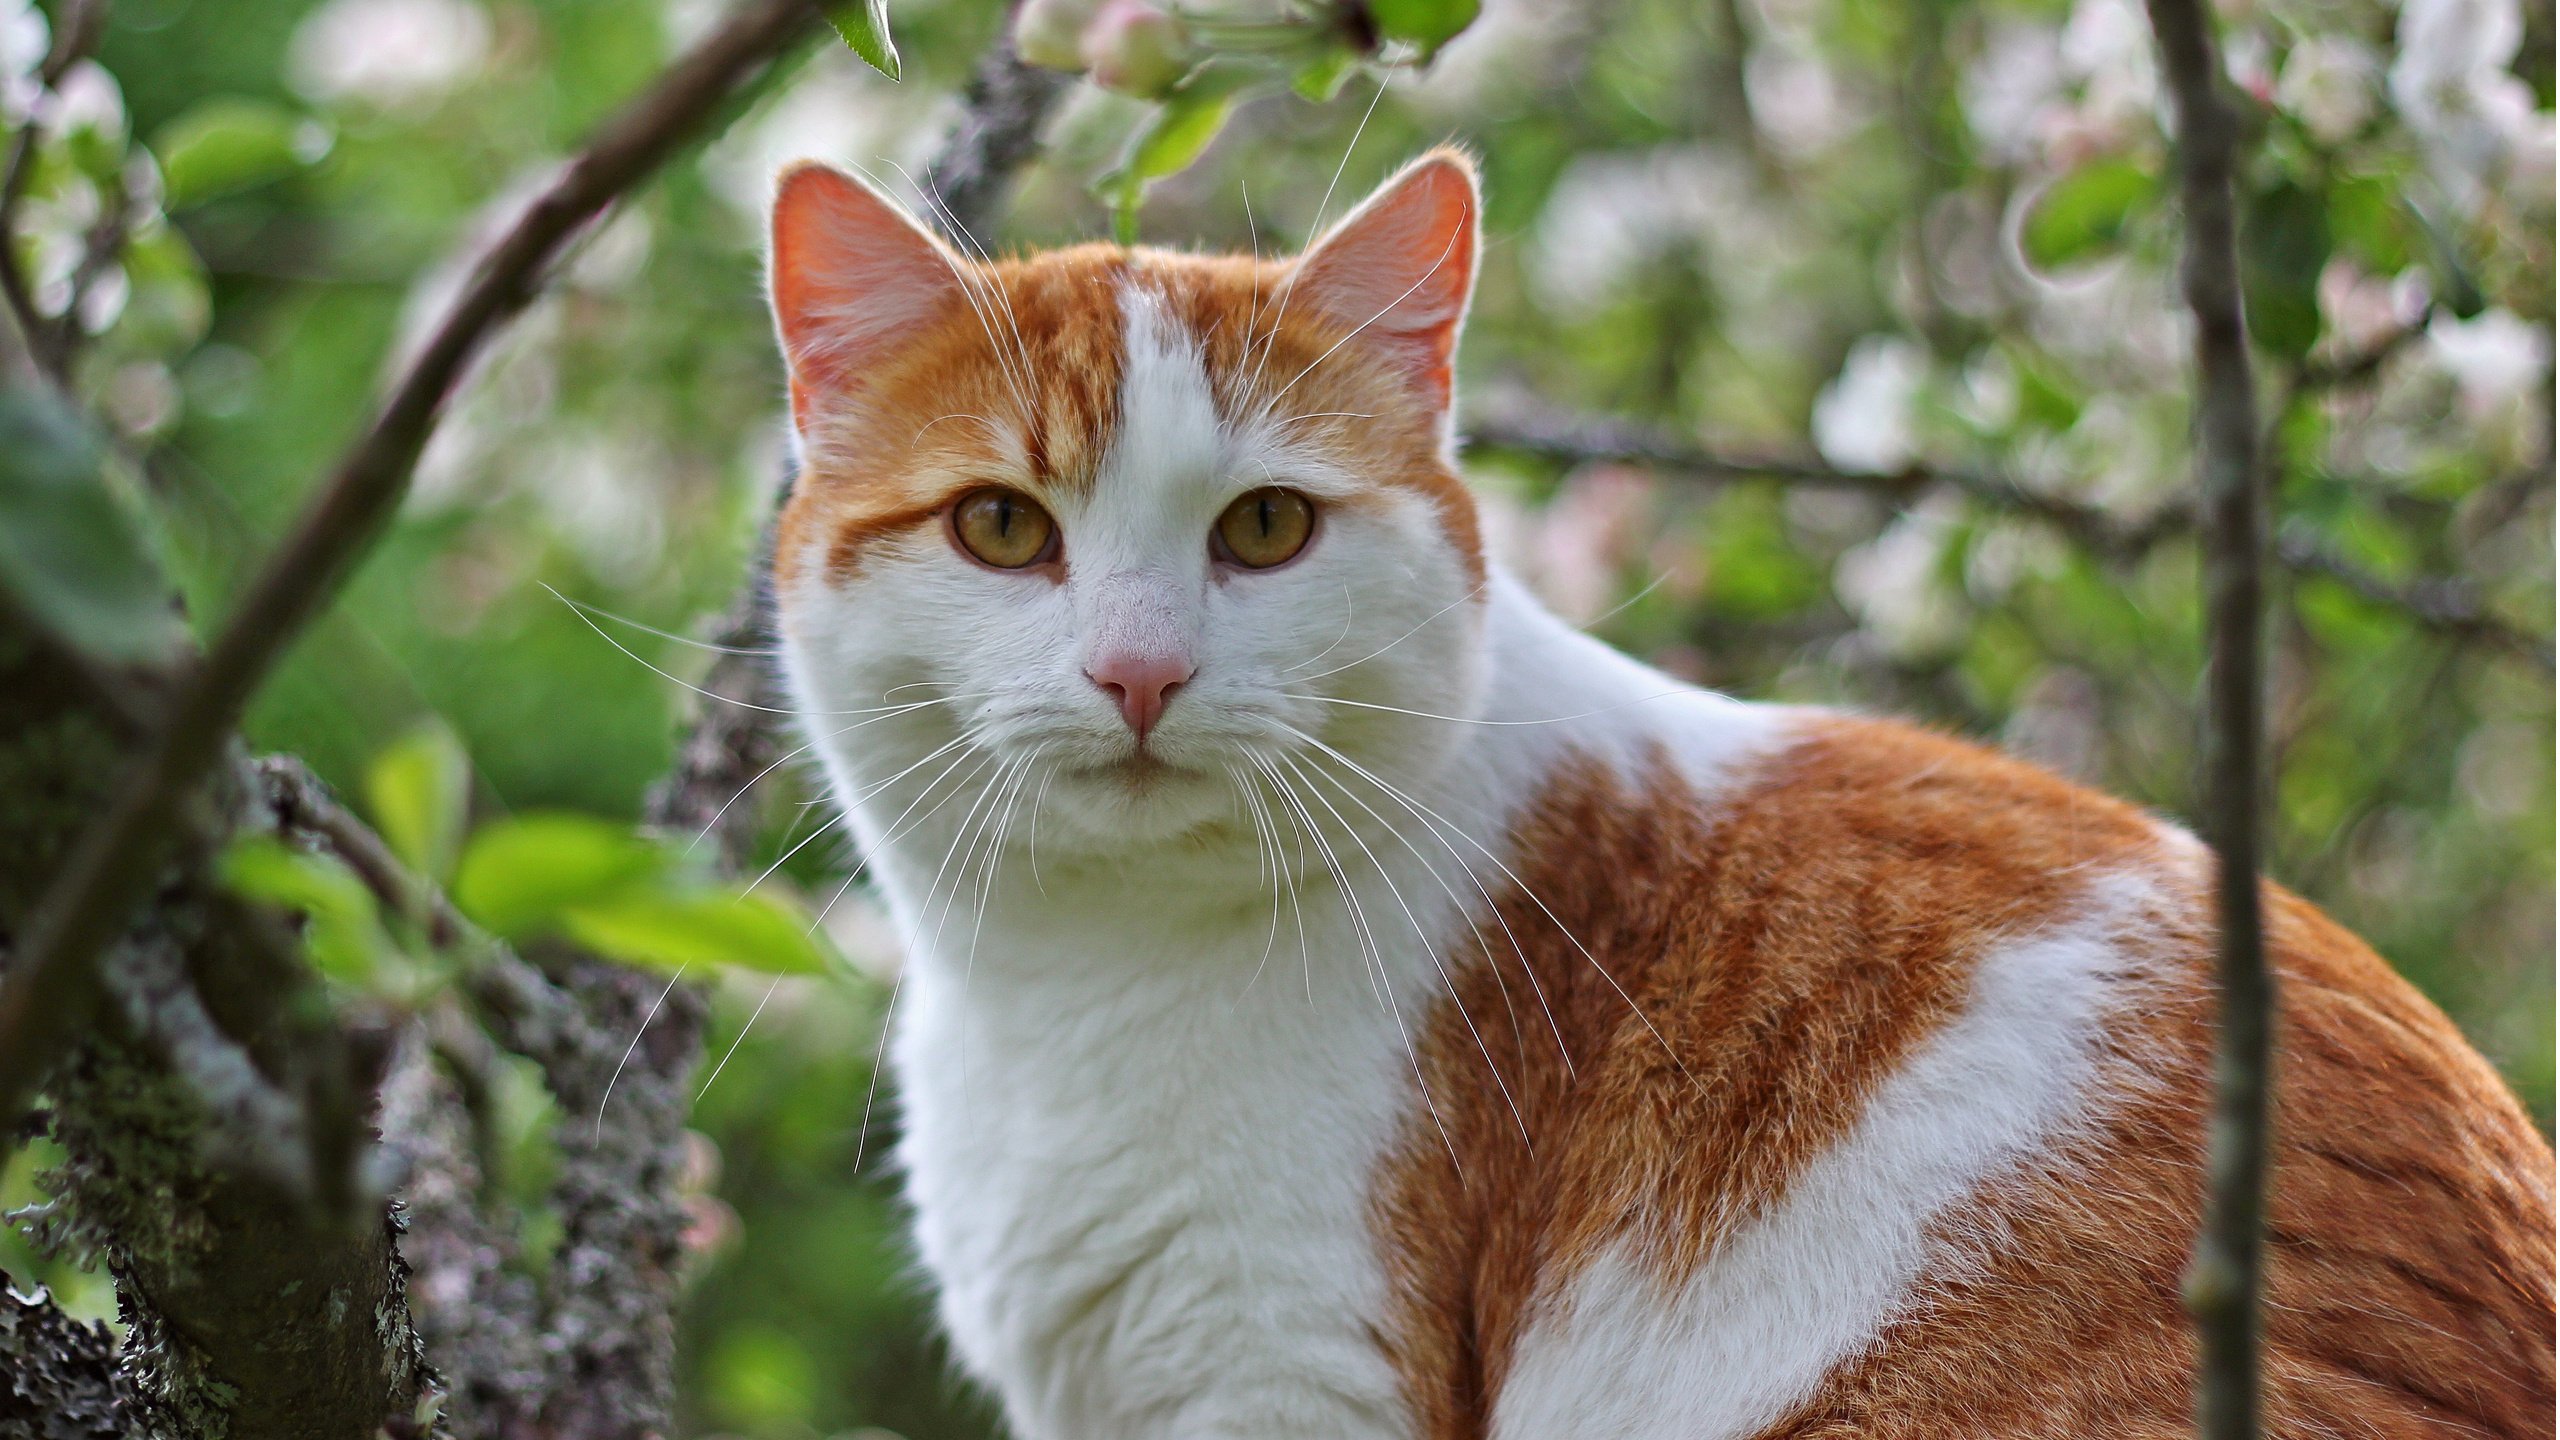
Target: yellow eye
(1003, 528)
(1264, 528)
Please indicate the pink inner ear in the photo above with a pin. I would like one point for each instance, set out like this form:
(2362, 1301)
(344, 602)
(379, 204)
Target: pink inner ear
(1401, 267)
(853, 279)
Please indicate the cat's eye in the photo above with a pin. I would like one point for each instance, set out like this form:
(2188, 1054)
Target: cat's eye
(1004, 528)
(1264, 528)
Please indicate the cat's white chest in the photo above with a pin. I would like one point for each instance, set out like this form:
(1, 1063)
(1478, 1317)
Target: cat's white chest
(1141, 1172)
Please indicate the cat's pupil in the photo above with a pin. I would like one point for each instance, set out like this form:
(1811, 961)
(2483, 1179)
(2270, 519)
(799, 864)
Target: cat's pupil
(1262, 515)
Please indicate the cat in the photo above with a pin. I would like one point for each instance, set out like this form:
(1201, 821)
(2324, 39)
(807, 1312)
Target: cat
(1343, 1000)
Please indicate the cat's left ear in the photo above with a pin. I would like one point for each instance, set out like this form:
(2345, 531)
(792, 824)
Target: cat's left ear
(1400, 268)
(854, 280)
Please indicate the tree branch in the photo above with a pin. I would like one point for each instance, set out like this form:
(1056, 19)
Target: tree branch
(61, 1383)
(50, 989)
(2451, 607)
(590, 1352)
(75, 33)
(2223, 1281)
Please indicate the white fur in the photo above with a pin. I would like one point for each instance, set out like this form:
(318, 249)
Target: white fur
(1149, 1058)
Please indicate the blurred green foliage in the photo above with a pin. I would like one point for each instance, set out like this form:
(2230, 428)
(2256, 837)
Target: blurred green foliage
(1922, 234)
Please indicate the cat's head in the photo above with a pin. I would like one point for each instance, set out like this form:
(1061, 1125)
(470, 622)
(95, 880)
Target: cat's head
(1129, 523)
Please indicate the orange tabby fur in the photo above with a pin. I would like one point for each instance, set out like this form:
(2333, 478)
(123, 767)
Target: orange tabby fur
(1788, 945)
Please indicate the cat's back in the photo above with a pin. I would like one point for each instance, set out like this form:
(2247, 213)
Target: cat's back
(1865, 1094)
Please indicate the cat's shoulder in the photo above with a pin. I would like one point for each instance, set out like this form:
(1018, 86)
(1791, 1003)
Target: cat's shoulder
(1819, 801)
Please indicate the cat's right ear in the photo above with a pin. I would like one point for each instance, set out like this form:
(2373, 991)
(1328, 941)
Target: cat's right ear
(854, 277)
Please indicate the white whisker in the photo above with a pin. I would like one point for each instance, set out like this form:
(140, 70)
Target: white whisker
(785, 858)
(582, 607)
(1280, 307)
(643, 1029)
(758, 1014)
(1535, 899)
(1430, 950)
(713, 694)
(1381, 650)
(1464, 912)
(1446, 251)
(1377, 956)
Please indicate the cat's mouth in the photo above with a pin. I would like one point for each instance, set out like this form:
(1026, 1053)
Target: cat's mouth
(1138, 772)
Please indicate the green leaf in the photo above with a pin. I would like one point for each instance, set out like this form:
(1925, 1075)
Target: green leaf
(2085, 213)
(702, 927)
(171, 304)
(517, 876)
(864, 24)
(343, 933)
(1189, 119)
(1321, 78)
(2284, 242)
(1427, 23)
(2372, 223)
(228, 144)
(419, 790)
(1183, 125)
(71, 555)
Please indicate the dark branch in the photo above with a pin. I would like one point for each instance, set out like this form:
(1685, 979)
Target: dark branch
(2223, 1280)
(48, 341)
(2450, 607)
(1001, 116)
(61, 1381)
(590, 1351)
(50, 989)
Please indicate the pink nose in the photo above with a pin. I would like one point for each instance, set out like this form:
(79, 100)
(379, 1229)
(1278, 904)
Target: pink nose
(1139, 684)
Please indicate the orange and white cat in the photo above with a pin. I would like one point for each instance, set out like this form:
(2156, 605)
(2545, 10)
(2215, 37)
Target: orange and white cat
(1345, 1001)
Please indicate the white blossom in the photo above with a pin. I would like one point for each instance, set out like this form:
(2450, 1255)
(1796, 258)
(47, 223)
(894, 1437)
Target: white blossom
(2493, 357)
(1863, 420)
(1611, 214)
(1581, 543)
(2452, 86)
(2012, 87)
(2107, 46)
(2329, 83)
(393, 53)
(24, 40)
(87, 98)
(2362, 311)
(1795, 100)
(1896, 583)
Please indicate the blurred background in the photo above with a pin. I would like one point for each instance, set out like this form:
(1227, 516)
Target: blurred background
(1921, 242)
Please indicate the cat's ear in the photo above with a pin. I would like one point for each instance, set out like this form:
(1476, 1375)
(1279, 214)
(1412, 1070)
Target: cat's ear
(1400, 268)
(854, 277)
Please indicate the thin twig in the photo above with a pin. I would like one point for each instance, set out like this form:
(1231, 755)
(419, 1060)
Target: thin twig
(2448, 606)
(304, 803)
(47, 992)
(75, 34)
(2223, 1281)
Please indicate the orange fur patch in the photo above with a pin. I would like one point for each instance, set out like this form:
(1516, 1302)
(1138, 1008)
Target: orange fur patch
(1792, 945)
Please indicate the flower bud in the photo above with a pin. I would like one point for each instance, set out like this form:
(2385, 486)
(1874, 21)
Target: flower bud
(1049, 33)
(1136, 49)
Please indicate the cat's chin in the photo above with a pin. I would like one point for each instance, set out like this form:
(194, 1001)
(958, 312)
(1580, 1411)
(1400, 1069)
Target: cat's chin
(1136, 800)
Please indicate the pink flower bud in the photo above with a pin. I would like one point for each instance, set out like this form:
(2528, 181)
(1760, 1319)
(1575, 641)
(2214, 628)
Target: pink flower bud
(1136, 49)
(1050, 33)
